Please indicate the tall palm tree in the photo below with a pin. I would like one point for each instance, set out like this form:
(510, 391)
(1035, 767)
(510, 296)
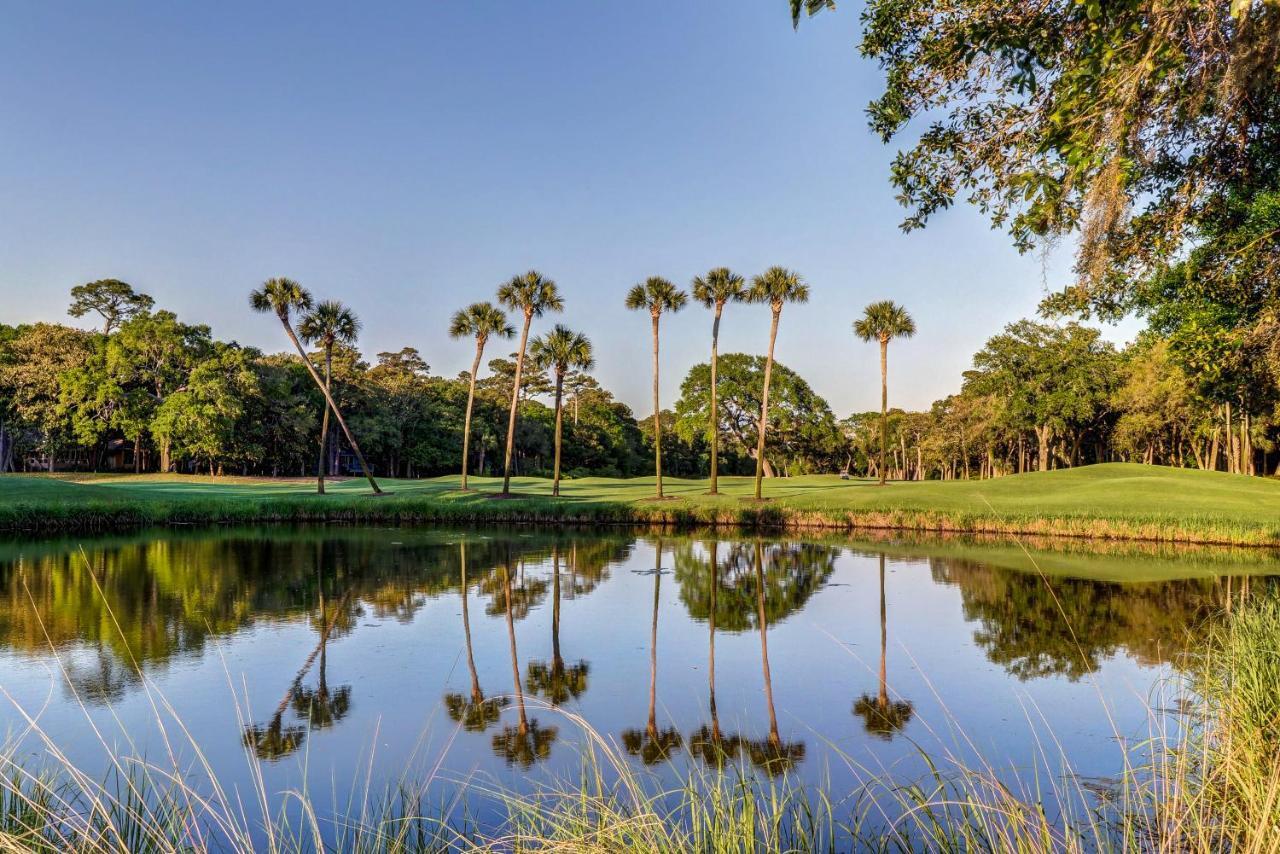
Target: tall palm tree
(776, 286)
(533, 295)
(327, 324)
(883, 321)
(560, 351)
(653, 745)
(479, 320)
(657, 295)
(283, 297)
(718, 287)
(880, 716)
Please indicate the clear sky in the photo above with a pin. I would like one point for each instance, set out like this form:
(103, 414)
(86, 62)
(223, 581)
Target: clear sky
(409, 157)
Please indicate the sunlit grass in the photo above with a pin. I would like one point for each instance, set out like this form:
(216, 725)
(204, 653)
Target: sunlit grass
(1111, 501)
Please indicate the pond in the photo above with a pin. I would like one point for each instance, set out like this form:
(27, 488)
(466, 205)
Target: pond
(333, 659)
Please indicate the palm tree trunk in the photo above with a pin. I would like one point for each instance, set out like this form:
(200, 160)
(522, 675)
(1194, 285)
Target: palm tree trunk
(884, 408)
(471, 400)
(557, 661)
(555, 482)
(774, 739)
(511, 635)
(764, 404)
(653, 650)
(324, 422)
(476, 694)
(515, 404)
(657, 413)
(715, 409)
(883, 699)
(711, 654)
(315, 376)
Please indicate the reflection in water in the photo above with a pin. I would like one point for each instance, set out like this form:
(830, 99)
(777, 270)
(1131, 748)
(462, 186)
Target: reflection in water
(274, 739)
(881, 716)
(651, 744)
(139, 605)
(527, 742)
(555, 682)
(474, 713)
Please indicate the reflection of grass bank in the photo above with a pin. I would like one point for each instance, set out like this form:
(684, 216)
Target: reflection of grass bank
(1113, 501)
(1206, 782)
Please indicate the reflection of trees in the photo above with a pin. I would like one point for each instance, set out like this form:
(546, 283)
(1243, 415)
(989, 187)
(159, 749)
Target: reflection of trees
(772, 754)
(476, 712)
(793, 572)
(1035, 626)
(651, 744)
(708, 743)
(147, 599)
(554, 681)
(527, 742)
(880, 715)
(275, 740)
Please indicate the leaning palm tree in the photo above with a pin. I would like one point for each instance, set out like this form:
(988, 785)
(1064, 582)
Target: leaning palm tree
(776, 286)
(479, 320)
(283, 297)
(718, 287)
(327, 324)
(657, 295)
(560, 351)
(533, 295)
(883, 321)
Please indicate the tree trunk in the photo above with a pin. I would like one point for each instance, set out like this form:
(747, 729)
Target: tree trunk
(652, 726)
(711, 649)
(1043, 434)
(883, 699)
(884, 408)
(315, 376)
(763, 426)
(715, 409)
(471, 400)
(764, 645)
(657, 412)
(555, 483)
(511, 637)
(557, 662)
(515, 403)
(324, 422)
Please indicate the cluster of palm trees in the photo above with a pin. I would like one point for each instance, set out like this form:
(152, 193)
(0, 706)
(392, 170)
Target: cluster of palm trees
(563, 350)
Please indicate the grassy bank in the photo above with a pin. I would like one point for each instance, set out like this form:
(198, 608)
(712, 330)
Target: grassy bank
(1208, 780)
(1112, 501)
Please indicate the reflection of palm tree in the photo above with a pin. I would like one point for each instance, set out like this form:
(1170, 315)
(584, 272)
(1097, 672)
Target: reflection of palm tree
(321, 708)
(556, 682)
(652, 745)
(880, 716)
(275, 740)
(771, 754)
(476, 713)
(527, 742)
(709, 742)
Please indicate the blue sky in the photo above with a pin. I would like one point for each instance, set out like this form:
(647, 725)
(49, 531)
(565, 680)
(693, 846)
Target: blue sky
(408, 158)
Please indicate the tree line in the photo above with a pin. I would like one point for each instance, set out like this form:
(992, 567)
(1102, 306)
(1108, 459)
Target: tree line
(149, 392)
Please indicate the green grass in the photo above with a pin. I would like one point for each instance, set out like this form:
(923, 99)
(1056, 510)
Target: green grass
(1113, 501)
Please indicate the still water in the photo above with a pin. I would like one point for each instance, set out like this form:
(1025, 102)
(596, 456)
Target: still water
(336, 658)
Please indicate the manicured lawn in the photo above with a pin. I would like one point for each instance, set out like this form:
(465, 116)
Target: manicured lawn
(1112, 500)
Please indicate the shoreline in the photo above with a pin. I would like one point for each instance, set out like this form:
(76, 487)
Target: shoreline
(51, 518)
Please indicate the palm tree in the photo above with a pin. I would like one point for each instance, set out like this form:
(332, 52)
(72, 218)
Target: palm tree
(557, 682)
(477, 712)
(883, 321)
(326, 324)
(479, 320)
(720, 286)
(533, 295)
(776, 286)
(527, 742)
(653, 745)
(657, 295)
(880, 716)
(283, 297)
(560, 351)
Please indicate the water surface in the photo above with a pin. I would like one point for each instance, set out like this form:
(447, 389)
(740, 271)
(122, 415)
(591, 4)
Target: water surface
(333, 658)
